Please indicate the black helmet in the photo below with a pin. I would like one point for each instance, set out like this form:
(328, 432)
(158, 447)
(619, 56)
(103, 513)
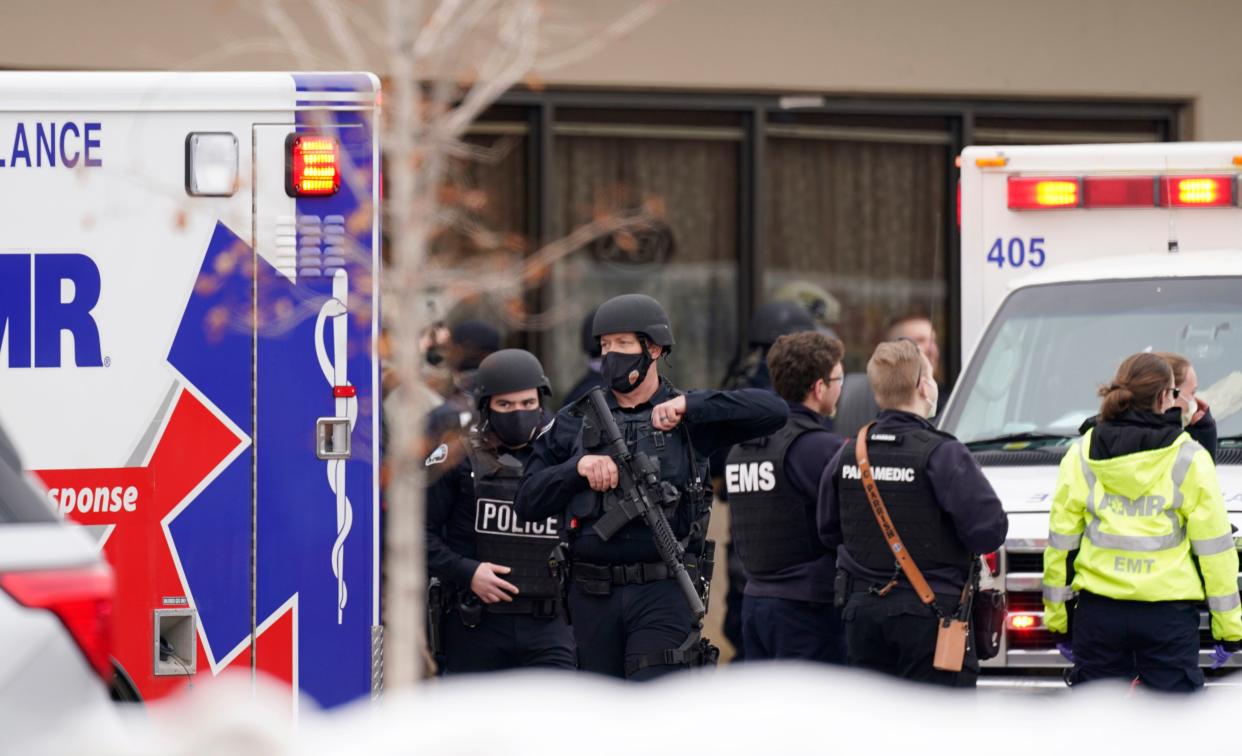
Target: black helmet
(775, 319)
(590, 342)
(509, 370)
(637, 313)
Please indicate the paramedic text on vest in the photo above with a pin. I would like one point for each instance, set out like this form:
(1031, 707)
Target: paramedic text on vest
(503, 602)
(630, 619)
(1138, 500)
(941, 505)
(788, 610)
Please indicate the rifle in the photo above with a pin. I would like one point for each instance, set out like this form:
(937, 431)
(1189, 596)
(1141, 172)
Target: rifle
(639, 493)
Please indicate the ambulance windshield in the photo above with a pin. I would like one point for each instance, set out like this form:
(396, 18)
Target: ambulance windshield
(1051, 347)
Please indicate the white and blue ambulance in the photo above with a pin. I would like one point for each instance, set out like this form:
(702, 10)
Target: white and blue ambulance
(188, 331)
(1072, 258)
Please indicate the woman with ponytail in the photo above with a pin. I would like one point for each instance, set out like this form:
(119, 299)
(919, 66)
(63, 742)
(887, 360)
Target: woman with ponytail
(1136, 498)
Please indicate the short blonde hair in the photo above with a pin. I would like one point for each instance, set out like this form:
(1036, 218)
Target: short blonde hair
(894, 371)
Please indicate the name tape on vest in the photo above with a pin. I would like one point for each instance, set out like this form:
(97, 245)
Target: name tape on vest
(498, 518)
(889, 474)
(748, 477)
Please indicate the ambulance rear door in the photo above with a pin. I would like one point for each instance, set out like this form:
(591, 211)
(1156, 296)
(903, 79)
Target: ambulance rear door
(317, 526)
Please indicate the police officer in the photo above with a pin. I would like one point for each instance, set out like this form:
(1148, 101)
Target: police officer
(788, 611)
(629, 618)
(770, 321)
(1139, 501)
(591, 378)
(469, 342)
(941, 505)
(504, 606)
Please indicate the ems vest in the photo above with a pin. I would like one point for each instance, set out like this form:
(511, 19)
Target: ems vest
(771, 529)
(672, 452)
(501, 537)
(899, 466)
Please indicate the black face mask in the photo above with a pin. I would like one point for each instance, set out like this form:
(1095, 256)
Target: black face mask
(517, 428)
(624, 372)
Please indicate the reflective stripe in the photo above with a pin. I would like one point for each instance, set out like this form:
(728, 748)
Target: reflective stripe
(1181, 466)
(1135, 543)
(1210, 546)
(1064, 542)
(1088, 474)
(1057, 594)
(1177, 534)
(1224, 603)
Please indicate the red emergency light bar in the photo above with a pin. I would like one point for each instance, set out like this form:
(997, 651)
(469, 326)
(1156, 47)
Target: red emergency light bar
(313, 166)
(1043, 193)
(1067, 192)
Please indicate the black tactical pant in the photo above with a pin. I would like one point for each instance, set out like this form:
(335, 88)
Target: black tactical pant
(506, 641)
(777, 628)
(617, 631)
(1157, 642)
(896, 634)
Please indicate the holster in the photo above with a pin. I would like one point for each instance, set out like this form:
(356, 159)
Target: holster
(559, 569)
(435, 615)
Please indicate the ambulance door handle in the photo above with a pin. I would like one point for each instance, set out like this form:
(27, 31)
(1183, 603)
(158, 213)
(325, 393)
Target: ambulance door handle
(332, 438)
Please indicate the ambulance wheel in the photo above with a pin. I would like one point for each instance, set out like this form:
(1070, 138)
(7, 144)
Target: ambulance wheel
(122, 689)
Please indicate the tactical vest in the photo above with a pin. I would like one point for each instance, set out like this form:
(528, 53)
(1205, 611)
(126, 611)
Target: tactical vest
(501, 537)
(679, 466)
(899, 466)
(771, 529)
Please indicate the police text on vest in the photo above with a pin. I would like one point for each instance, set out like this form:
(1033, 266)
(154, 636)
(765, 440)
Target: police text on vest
(498, 518)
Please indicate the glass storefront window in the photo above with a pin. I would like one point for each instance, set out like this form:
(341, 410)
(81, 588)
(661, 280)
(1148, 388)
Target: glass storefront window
(688, 261)
(864, 220)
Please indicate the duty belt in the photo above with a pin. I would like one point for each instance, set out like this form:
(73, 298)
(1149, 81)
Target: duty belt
(598, 579)
(534, 607)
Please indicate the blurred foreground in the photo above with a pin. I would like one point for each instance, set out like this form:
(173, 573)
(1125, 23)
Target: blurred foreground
(745, 709)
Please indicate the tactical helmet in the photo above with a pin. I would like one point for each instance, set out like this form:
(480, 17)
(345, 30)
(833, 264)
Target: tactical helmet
(509, 370)
(824, 308)
(775, 319)
(636, 313)
(590, 342)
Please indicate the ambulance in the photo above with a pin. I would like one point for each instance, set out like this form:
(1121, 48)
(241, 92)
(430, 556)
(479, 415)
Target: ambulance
(1072, 258)
(188, 329)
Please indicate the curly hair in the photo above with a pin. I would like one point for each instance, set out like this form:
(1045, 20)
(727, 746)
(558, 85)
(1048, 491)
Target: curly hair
(797, 360)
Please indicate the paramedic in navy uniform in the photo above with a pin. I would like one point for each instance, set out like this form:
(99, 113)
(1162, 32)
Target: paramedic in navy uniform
(504, 607)
(941, 505)
(629, 618)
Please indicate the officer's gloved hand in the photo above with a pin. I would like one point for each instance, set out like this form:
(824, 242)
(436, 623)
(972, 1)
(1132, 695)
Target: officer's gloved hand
(1223, 651)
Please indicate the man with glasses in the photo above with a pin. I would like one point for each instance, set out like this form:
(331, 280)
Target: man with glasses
(941, 506)
(788, 610)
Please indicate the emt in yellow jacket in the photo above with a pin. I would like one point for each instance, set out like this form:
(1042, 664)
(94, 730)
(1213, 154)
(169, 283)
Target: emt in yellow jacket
(1139, 501)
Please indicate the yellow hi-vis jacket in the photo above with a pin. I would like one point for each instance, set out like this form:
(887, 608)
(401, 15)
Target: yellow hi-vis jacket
(1135, 520)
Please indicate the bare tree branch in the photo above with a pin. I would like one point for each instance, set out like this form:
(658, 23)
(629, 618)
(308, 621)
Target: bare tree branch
(611, 33)
(342, 34)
